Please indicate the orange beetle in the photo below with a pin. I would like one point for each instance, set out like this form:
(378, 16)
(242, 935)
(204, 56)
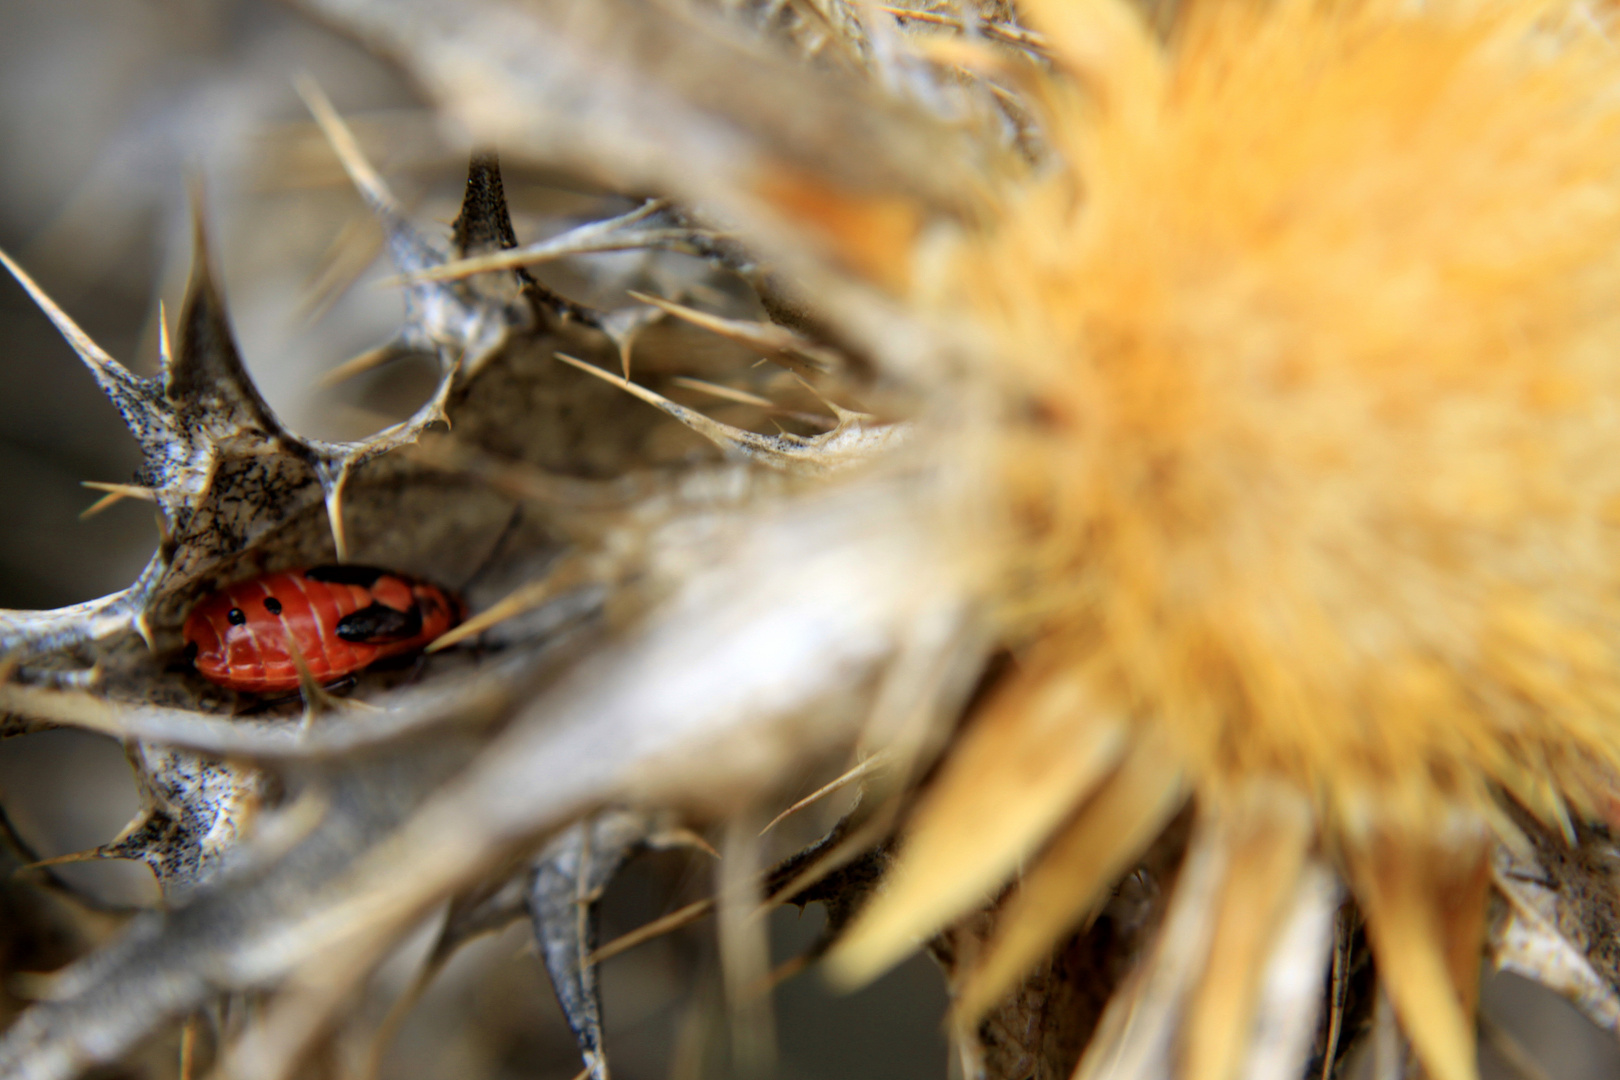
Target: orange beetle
(341, 618)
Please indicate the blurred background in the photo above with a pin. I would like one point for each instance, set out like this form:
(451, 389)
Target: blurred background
(109, 111)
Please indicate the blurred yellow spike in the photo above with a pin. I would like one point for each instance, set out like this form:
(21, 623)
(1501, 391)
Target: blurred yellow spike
(1106, 837)
(1425, 907)
(1463, 897)
(1033, 755)
(1267, 834)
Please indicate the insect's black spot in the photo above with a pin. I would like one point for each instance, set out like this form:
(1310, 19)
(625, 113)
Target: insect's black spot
(378, 623)
(344, 574)
(190, 654)
(272, 605)
(236, 616)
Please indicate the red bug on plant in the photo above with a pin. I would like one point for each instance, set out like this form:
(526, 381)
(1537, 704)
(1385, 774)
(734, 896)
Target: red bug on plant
(341, 619)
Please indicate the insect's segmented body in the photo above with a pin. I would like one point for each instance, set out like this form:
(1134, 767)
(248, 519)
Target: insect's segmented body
(340, 618)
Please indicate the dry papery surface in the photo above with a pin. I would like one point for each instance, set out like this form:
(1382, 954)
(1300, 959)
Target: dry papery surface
(1121, 498)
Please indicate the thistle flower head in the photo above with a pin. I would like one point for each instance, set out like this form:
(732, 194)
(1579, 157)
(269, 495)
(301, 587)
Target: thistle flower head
(1306, 357)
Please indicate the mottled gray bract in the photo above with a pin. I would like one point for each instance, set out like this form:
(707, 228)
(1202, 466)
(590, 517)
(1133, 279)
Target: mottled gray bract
(567, 881)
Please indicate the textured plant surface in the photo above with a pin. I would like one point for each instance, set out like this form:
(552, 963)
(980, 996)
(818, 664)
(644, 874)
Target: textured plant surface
(1153, 464)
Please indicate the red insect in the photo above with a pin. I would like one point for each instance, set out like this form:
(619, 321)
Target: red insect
(341, 618)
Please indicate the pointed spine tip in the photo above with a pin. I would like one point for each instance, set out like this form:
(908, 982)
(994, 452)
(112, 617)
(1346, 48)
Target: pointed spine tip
(92, 855)
(143, 627)
(334, 516)
(366, 179)
(114, 378)
(165, 351)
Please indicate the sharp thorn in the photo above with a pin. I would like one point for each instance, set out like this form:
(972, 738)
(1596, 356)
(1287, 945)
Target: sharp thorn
(165, 352)
(783, 972)
(101, 504)
(722, 435)
(188, 1047)
(364, 362)
(657, 928)
(316, 699)
(845, 416)
(779, 341)
(114, 493)
(681, 838)
(106, 369)
(143, 627)
(518, 258)
(92, 855)
(401, 1008)
(365, 178)
(649, 396)
(592, 238)
(725, 393)
(142, 818)
(861, 770)
(525, 598)
(334, 512)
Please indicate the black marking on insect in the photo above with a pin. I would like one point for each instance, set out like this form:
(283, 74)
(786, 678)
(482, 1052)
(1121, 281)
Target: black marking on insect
(378, 623)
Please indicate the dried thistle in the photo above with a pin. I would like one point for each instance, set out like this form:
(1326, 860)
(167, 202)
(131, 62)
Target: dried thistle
(1222, 387)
